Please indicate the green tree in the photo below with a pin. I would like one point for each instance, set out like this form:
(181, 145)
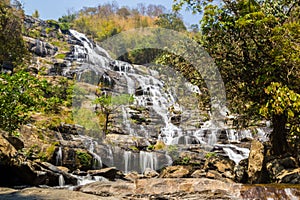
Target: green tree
(12, 46)
(170, 21)
(20, 94)
(107, 104)
(256, 46)
(36, 14)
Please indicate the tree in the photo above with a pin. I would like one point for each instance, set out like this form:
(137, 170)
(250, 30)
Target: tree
(20, 94)
(36, 14)
(106, 104)
(256, 47)
(12, 46)
(170, 21)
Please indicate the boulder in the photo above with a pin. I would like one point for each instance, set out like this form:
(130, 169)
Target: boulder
(132, 176)
(220, 164)
(110, 173)
(150, 173)
(289, 176)
(255, 162)
(175, 172)
(107, 189)
(8, 153)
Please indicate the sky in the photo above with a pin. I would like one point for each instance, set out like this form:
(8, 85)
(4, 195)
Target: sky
(53, 9)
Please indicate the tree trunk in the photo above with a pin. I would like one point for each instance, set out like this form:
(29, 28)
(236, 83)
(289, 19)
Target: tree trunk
(279, 135)
(106, 123)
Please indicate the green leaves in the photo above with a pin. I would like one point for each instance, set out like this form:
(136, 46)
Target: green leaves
(282, 100)
(19, 95)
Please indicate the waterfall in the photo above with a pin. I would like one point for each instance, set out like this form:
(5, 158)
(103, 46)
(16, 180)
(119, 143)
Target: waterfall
(59, 156)
(148, 160)
(161, 97)
(127, 161)
(61, 180)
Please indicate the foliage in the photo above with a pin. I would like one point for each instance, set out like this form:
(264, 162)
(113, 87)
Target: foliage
(210, 154)
(36, 14)
(170, 21)
(12, 46)
(20, 94)
(84, 158)
(107, 104)
(254, 43)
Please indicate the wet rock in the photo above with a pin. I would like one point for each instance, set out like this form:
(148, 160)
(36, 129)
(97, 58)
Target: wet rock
(57, 69)
(54, 172)
(255, 162)
(127, 141)
(110, 173)
(70, 129)
(175, 172)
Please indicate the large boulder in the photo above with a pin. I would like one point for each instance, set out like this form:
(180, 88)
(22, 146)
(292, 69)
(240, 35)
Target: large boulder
(110, 173)
(107, 189)
(255, 162)
(219, 166)
(284, 170)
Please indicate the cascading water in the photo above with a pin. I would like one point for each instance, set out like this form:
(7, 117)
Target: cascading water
(163, 104)
(59, 156)
(61, 180)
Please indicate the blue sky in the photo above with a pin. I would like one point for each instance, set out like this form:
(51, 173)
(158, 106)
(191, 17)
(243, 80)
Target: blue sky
(53, 9)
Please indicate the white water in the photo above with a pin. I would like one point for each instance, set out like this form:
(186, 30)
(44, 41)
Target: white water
(154, 94)
(235, 153)
(61, 180)
(59, 157)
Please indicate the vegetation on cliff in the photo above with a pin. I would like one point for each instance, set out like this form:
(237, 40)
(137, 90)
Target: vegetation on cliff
(256, 47)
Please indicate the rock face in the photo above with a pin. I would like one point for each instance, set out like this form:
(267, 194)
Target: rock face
(284, 170)
(40, 48)
(255, 162)
(16, 170)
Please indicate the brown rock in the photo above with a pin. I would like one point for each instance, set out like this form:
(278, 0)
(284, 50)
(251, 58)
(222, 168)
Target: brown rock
(150, 173)
(255, 162)
(175, 172)
(106, 189)
(198, 174)
(159, 186)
